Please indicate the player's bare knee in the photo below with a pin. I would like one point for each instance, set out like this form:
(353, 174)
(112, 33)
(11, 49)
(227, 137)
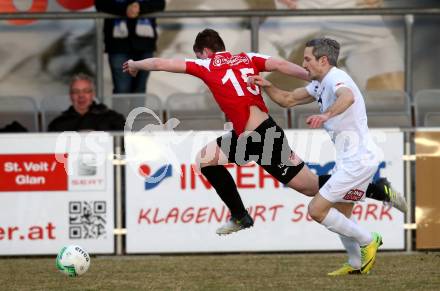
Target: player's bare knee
(314, 212)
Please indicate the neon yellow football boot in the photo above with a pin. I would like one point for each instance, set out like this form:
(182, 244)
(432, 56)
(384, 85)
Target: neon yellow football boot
(346, 269)
(368, 253)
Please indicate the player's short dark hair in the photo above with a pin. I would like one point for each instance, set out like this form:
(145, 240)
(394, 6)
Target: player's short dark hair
(325, 47)
(210, 39)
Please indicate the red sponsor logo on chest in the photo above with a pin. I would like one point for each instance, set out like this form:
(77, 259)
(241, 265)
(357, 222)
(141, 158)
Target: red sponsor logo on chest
(220, 60)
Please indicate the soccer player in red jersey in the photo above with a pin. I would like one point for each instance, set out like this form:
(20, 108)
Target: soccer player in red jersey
(255, 136)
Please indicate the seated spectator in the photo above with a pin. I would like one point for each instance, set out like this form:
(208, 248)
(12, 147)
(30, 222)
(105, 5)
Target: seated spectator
(85, 114)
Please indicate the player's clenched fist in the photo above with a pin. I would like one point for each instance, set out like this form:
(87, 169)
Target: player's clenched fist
(259, 81)
(316, 121)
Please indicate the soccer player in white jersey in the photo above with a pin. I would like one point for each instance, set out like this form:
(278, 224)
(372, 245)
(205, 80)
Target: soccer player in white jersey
(343, 116)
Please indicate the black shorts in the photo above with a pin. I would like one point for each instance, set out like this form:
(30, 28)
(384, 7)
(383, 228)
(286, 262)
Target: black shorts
(267, 146)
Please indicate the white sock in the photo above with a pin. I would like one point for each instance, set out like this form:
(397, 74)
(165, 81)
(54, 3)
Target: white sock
(336, 221)
(353, 251)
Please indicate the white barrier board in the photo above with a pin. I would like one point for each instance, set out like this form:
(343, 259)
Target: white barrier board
(170, 208)
(56, 190)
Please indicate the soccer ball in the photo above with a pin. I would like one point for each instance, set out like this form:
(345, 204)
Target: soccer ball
(73, 260)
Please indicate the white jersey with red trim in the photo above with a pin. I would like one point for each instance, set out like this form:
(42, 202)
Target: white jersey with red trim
(226, 76)
(348, 130)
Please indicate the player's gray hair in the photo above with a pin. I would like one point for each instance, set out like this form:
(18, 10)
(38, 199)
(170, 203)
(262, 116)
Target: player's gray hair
(325, 47)
(81, 77)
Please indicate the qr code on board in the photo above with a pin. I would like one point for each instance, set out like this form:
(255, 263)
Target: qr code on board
(87, 219)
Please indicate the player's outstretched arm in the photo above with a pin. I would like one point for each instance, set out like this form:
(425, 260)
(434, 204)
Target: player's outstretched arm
(154, 64)
(281, 97)
(286, 67)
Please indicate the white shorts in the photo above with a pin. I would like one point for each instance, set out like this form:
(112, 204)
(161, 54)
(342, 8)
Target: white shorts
(348, 184)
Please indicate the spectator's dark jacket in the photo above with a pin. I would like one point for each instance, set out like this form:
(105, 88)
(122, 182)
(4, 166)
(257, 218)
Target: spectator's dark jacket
(133, 42)
(99, 117)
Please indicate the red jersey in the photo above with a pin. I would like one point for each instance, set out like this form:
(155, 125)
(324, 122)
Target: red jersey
(226, 76)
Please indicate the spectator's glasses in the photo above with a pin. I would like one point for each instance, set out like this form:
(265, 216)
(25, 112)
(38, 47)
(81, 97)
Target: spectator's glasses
(81, 91)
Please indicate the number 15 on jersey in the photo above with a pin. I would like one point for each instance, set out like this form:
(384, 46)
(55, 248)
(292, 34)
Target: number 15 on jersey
(245, 72)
